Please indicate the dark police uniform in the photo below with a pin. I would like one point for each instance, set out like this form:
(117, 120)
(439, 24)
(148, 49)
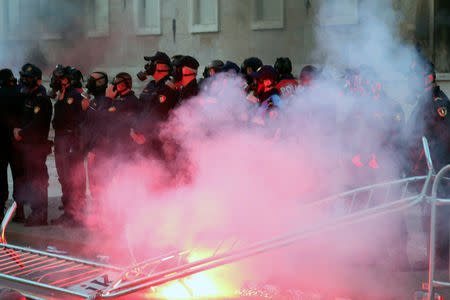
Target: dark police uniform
(189, 91)
(94, 140)
(157, 110)
(68, 153)
(122, 113)
(34, 148)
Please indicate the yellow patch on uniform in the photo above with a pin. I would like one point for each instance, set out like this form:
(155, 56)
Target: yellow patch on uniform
(29, 69)
(37, 109)
(112, 109)
(398, 117)
(437, 98)
(70, 100)
(162, 98)
(442, 111)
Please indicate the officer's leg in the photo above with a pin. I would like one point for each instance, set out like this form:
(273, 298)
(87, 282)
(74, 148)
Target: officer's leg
(76, 206)
(62, 162)
(38, 181)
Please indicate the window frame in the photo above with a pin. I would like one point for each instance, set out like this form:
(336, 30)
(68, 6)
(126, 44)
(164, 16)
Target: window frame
(203, 28)
(264, 24)
(146, 30)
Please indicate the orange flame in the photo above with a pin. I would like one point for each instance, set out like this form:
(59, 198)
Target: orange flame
(208, 284)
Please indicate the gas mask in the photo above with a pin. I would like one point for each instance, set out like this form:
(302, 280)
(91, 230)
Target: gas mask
(149, 70)
(28, 81)
(97, 86)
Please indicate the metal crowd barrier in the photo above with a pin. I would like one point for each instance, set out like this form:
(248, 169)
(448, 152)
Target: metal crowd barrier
(53, 276)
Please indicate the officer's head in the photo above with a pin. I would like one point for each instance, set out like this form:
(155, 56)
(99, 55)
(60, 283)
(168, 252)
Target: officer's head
(97, 83)
(283, 66)
(214, 67)
(30, 76)
(159, 66)
(307, 75)
(76, 77)
(122, 82)
(265, 78)
(189, 67)
(7, 78)
(248, 66)
(61, 77)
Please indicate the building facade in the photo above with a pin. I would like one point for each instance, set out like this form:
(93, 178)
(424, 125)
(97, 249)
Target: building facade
(114, 35)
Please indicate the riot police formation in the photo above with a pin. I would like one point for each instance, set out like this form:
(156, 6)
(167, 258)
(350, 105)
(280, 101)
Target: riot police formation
(135, 122)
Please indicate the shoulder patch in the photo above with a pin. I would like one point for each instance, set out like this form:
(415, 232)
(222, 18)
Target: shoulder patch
(70, 100)
(36, 109)
(171, 85)
(442, 111)
(162, 98)
(112, 109)
(438, 99)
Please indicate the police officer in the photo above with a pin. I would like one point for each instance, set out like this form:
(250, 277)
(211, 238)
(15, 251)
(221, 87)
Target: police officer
(266, 92)
(189, 86)
(157, 108)
(286, 82)
(94, 137)
(69, 157)
(158, 72)
(32, 137)
(250, 65)
(123, 110)
(9, 111)
(430, 118)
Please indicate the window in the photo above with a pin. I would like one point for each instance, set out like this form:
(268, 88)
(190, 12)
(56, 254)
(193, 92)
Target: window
(268, 14)
(97, 17)
(204, 16)
(338, 12)
(147, 16)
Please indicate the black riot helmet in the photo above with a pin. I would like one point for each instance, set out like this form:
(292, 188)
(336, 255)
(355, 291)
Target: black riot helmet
(123, 77)
(7, 78)
(252, 62)
(97, 83)
(283, 66)
(30, 75)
